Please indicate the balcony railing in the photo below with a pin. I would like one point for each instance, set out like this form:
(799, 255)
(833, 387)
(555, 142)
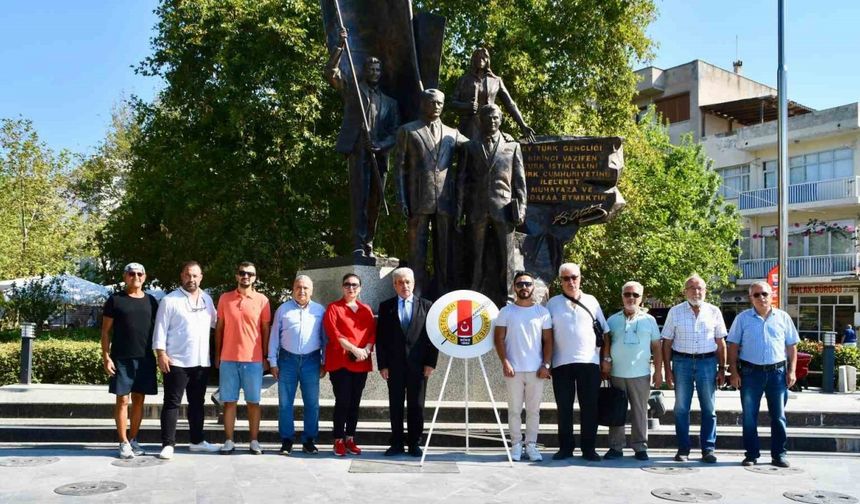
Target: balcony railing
(803, 266)
(823, 190)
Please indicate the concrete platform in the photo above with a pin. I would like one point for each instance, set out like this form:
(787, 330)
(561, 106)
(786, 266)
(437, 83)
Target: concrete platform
(481, 477)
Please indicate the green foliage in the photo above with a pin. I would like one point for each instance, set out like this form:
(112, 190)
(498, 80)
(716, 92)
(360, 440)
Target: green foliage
(234, 160)
(674, 224)
(55, 361)
(39, 230)
(845, 356)
(66, 334)
(36, 301)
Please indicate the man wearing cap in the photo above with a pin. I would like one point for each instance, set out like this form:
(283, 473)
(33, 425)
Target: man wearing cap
(241, 338)
(181, 342)
(126, 341)
(426, 188)
(762, 361)
(694, 353)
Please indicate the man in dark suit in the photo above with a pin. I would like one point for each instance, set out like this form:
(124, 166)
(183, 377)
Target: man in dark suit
(405, 358)
(383, 118)
(426, 188)
(495, 181)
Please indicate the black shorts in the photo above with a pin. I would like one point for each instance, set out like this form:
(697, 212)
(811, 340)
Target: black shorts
(134, 375)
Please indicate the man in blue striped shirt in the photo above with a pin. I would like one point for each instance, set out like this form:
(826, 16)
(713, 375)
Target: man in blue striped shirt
(762, 358)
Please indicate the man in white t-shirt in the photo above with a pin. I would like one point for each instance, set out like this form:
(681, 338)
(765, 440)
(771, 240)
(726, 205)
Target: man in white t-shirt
(523, 337)
(576, 361)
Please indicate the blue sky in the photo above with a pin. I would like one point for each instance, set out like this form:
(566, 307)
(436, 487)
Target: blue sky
(66, 63)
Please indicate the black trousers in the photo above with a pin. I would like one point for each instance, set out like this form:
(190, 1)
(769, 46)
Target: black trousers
(411, 385)
(191, 381)
(347, 387)
(365, 198)
(582, 380)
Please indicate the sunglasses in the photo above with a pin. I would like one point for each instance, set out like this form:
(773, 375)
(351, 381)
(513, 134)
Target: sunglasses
(246, 274)
(632, 294)
(351, 285)
(138, 274)
(761, 294)
(571, 278)
(523, 285)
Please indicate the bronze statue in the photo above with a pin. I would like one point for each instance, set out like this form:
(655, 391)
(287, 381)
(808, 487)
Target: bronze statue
(494, 203)
(426, 188)
(480, 86)
(366, 136)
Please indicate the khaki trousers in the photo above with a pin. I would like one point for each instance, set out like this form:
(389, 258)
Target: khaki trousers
(638, 390)
(524, 387)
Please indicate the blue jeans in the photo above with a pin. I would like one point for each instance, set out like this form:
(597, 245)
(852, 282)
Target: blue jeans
(299, 371)
(702, 373)
(754, 383)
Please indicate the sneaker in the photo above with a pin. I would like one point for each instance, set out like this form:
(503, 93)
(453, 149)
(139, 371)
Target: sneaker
(682, 457)
(351, 447)
(286, 447)
(517, 452)
(125, 451)
(136, 448)
(533, 453)
(748, 461)
(613, 454)
(255, 447)
(228, 447)
(339, 448)
(642, 455)
(166, 453)
(780, 462)
(204, 447)
(310, 448)
(709, 458)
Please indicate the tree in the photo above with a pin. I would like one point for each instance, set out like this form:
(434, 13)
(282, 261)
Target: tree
(36, 301)
(39, 230)
(234, 160)
(674, 224)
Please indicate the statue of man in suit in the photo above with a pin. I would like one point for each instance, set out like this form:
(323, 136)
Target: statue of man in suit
(427, 188)
(494, 182)
(382, 116)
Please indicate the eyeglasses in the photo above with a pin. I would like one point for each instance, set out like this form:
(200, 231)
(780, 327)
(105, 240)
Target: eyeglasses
(523, 285)
(632, 294)
(571, 278)
(194, 309)
(349, 285)
(138, 274)
(761, 294)
(246, 274)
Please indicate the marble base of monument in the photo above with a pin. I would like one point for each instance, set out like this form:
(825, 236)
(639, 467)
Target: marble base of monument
(375, 273)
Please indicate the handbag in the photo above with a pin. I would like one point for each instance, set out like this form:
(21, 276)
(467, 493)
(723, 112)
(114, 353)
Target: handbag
(611, 406)
(595, 325)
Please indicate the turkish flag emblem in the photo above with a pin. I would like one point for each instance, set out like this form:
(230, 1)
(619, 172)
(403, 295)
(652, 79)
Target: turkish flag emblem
(464, 318)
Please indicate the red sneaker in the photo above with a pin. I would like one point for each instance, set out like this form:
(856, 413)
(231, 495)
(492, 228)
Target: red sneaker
(339, 448)
(351, 447)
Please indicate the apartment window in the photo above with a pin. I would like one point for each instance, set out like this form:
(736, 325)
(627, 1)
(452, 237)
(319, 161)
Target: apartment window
(769, 173)
(674, 108)
(825, 165)
(745, 244)
(813, 244)
(736, 179)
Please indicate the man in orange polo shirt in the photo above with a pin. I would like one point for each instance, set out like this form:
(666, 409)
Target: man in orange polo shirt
(242, 334)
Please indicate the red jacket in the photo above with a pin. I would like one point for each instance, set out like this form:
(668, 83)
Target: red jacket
(359, 328)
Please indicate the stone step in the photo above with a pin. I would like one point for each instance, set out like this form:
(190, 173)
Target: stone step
(376, 434)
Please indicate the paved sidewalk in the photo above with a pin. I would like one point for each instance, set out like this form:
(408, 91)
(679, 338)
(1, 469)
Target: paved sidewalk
(481, 477)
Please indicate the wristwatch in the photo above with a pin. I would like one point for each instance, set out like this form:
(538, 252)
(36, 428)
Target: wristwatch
(607, 359)
(547, 365)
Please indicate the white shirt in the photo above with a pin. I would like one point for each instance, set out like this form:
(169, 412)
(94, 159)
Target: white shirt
(182, 328)
(574, 341)
(523, 336)
(297, 330)
(691, 334)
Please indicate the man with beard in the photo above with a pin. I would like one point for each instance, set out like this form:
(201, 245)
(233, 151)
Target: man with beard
(181, 342)
(523, 338)
(694, 343)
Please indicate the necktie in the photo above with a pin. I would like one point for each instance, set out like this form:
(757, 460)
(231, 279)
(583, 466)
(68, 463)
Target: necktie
(433, 131)
(405, 316)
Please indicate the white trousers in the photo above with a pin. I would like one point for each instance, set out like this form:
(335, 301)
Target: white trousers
(524, 387)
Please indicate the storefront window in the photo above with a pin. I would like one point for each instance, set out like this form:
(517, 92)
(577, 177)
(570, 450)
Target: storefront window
(817, 314)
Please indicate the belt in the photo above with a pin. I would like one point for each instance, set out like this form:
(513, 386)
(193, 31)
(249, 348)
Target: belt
(760, 367)
(694, 355)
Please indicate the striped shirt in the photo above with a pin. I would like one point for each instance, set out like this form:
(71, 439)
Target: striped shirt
(691, 334)
(763, 339)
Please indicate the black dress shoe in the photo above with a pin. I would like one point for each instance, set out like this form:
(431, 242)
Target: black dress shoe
(286, 446)
(748, 461)
(780, 462)
(709, 458)
(613, 454)
(393, 451)
(415, 451)
(310, 448)
(592, 457)
(682, 457)
(561, 455)
(642, 455)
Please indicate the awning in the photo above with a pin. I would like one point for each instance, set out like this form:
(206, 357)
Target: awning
(756, 110)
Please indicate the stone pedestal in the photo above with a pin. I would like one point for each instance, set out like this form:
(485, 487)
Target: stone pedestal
(375, 274)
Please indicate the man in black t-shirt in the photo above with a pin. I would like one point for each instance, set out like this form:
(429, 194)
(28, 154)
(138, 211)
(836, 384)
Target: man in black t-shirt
(127, 356)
